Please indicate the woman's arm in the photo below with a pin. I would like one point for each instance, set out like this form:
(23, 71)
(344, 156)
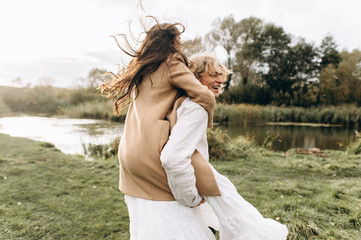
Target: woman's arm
(183, 78)
(176, 155)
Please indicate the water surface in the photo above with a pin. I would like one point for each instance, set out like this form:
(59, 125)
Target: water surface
(68, 135)
(305, 137)
(71, 135)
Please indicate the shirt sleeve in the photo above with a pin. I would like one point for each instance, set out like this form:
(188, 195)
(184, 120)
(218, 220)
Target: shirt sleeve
(183, 78)
(176, 155)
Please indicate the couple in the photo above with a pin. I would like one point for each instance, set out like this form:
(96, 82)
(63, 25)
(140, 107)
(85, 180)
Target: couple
(163, 153)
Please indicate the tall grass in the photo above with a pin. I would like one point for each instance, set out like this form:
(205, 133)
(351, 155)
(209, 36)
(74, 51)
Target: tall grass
(353, 146)
(102, 151)
(40, 99)
(4, 109)
(45, 99)
(93, 109)
(223, 148)
(244, 114)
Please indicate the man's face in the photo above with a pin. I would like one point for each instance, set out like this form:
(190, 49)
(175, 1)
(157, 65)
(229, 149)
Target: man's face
(214, 83)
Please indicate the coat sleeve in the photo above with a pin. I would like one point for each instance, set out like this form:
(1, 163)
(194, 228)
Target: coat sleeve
(183, 78)
(176, 155)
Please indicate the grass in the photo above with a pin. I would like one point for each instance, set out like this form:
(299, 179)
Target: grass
(45, 194)
(316, 198)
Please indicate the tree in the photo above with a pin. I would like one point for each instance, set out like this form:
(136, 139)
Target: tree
(349, 75)
(251, 43)
(193, 46)
(329, 53)
(304, 69)
(274, 61)
(18, 82)
(225, 33)
(287, 69)
(46, 81)
(96, 76)
(328, 85)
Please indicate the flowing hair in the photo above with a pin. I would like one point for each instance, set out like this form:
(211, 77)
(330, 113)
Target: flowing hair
(158, 45)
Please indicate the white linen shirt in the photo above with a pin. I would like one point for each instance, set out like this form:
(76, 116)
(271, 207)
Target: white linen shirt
(188, 134)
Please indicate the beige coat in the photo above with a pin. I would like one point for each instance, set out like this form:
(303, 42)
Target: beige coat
(146, 131)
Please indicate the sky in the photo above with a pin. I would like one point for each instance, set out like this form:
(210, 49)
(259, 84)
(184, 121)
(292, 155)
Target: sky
(60, 41)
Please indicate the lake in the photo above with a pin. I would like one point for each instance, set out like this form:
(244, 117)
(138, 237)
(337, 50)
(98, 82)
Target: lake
(71, 135)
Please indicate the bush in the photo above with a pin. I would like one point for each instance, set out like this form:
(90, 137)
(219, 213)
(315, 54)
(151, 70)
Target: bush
(223, 148)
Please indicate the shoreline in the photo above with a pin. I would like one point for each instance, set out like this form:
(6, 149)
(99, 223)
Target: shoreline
(304, 124)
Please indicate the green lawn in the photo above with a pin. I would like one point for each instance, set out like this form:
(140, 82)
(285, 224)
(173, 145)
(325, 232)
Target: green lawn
(45, 194)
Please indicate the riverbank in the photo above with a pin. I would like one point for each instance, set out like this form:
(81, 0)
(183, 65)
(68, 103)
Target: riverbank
(46, 194)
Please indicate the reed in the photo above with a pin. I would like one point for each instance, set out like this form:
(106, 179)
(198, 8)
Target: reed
(94, 110)
(4, 109)
(353, 146)
(244, 114)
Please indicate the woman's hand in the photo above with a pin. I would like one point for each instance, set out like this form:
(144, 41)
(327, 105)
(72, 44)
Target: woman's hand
(201, 202)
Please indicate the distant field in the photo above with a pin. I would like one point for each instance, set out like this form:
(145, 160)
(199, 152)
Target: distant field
(45, 194)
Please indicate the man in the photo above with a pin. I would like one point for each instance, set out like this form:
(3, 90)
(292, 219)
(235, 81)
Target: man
(238, 219)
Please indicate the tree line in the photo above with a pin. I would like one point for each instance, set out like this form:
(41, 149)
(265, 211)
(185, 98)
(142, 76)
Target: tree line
(272, 67)
(269, 66)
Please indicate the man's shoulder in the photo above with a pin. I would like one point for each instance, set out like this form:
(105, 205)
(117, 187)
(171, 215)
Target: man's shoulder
(190, 106)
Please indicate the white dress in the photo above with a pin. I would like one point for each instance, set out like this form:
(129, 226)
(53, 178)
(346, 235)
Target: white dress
(165, 220)
(229, 213)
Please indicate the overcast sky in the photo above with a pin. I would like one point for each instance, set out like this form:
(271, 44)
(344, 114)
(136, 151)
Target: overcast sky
(63, 40)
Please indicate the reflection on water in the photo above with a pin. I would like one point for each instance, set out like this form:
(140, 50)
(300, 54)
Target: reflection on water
(68, 135)
(296, 136)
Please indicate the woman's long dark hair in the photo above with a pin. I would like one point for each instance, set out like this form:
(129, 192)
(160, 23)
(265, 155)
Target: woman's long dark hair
(157, 46)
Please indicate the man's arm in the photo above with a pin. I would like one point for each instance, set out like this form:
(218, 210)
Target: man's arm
(176, 155)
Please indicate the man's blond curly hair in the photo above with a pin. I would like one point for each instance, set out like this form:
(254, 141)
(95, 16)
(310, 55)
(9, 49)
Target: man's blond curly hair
(206, 62)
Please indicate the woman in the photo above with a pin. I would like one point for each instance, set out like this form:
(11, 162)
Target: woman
(154, 78)
(238, 219)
